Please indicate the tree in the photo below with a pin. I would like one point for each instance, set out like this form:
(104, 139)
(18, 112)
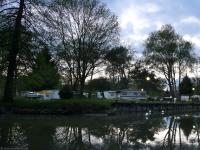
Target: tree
(186, 86)
(185, 57)
(13, 51)
(99, 84)
(25, 58)
(118, 64)
(83, 30)
(164, 51)
(139, 75)
(16, 18)
(45, 73)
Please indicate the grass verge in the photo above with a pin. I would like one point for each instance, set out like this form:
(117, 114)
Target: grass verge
(71, 106)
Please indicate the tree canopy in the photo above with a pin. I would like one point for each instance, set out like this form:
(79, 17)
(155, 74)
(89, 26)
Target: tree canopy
(164, 51)
(99, 84)
(146, 80)
(118, 61)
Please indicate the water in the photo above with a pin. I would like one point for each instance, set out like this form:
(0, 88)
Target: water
(139, 131)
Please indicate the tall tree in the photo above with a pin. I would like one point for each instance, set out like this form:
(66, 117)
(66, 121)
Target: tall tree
(8, 91)
(84, 31)
(164, 51)
(118, 64)
(18, 17)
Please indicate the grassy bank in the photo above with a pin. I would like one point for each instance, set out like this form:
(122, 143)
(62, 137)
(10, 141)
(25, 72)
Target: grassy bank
(82, 106)
(71, 106)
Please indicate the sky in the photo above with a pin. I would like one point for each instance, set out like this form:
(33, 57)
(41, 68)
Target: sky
(138, 18)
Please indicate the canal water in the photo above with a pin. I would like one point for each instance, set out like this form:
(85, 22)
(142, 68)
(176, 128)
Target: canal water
(125, 131)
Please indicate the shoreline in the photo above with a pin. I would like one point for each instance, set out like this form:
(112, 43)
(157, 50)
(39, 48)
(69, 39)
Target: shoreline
(93, 107)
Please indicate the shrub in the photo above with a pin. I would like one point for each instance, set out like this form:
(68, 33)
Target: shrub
(66, 92)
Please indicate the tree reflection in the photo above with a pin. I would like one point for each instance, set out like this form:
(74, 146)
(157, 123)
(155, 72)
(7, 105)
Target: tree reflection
(178, 127)
(12, 135)
(104, 133)
(186, 124)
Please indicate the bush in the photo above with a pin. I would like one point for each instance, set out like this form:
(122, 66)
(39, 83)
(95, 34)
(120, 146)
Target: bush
(66, 92)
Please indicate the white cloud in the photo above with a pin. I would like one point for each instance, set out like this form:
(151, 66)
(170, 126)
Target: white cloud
(134, 14)
(151, 8)
(135, 18)
(139, 18)
(194, 39)
(191, 19)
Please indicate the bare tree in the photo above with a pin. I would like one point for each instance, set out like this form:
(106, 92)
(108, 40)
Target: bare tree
(83, 30)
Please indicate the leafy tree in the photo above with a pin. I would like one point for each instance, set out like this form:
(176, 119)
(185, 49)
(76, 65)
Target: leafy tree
(99, 84)
(164, 51)
(186, 86)
(118, 65)
(185, 57)
(45, 74)
(139, 75)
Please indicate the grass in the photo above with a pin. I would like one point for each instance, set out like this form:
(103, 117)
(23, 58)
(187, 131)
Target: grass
(71, 106)
(68, 106)
(21, 102)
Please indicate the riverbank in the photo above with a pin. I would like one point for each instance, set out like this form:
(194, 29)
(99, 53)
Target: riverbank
(93, 106)
(72, 106)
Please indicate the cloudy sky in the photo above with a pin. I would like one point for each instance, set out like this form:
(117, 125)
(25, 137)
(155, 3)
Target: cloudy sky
(138, 18)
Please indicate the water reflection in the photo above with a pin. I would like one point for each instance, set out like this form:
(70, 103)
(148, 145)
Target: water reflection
(110, 133)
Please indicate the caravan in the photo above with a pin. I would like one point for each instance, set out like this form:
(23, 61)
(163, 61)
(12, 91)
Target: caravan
(123, 94)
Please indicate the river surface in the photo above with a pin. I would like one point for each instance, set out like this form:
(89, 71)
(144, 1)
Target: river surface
(125, 131)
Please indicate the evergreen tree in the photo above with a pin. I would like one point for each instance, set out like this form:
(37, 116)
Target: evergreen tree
(45, 73)
(186, 86)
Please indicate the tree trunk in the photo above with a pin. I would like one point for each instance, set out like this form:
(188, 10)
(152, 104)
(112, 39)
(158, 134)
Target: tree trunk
(8, 91)
(82, 86)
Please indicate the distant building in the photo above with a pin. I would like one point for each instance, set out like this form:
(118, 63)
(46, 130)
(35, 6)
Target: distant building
(44, 94)
(49, 94)
(123, 94)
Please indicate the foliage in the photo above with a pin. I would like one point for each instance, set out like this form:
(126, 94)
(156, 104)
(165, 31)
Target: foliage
(66, 92)
(186, 86)
(45, 74)
(164, 50)
(118, 65)
(154, 86)
(99, 84)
